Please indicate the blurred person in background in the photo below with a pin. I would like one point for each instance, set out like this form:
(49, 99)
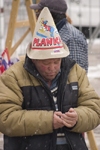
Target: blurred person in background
(71, 36)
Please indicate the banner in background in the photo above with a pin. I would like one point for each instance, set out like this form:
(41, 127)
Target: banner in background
(13, 59)
(6, 61)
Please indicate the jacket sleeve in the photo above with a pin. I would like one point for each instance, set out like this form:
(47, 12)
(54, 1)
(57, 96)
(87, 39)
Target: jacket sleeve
(14, 121)
(88, 109)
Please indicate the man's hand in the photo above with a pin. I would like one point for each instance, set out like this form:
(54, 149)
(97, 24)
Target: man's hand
(57, 121)
(69, 118)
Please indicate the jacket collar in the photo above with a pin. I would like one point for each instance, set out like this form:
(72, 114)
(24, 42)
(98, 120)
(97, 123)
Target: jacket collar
(61, 23)
(66, 65)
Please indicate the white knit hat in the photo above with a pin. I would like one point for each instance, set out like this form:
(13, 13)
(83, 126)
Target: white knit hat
(46, 42)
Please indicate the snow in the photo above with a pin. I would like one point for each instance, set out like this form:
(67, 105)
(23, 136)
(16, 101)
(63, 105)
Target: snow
(94, 71)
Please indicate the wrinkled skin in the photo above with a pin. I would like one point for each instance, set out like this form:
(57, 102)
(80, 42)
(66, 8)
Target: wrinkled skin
(68, 119)
(48, 68)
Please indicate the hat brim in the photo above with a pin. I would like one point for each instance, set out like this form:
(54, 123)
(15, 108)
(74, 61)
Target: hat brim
(35, 6)
(47, 54)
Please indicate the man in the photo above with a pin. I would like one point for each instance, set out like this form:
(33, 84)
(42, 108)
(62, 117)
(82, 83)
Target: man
(72, 37)
(46, 101)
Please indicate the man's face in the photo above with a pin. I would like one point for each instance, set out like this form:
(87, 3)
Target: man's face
(48, 68)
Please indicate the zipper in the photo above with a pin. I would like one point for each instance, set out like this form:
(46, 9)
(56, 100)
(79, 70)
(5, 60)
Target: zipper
(69, 143)
(66, 84)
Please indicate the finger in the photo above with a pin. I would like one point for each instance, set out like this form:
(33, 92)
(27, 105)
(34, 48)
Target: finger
(69, 124)
(58, 113)
(70, 121)
(71, 110)
(71, 114)
(57, 122)
(68, 116)
(58, 119)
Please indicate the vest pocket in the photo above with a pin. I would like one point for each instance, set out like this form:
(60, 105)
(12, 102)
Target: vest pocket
(70, 97)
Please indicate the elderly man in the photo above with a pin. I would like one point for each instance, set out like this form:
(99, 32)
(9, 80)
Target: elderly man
(46, 101)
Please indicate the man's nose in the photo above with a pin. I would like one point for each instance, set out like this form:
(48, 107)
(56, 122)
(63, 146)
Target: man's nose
(51, 67)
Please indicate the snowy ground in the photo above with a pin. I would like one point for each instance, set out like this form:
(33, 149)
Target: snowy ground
(94, 71)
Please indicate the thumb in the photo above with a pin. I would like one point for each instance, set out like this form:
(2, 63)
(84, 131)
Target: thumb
(71, 110)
